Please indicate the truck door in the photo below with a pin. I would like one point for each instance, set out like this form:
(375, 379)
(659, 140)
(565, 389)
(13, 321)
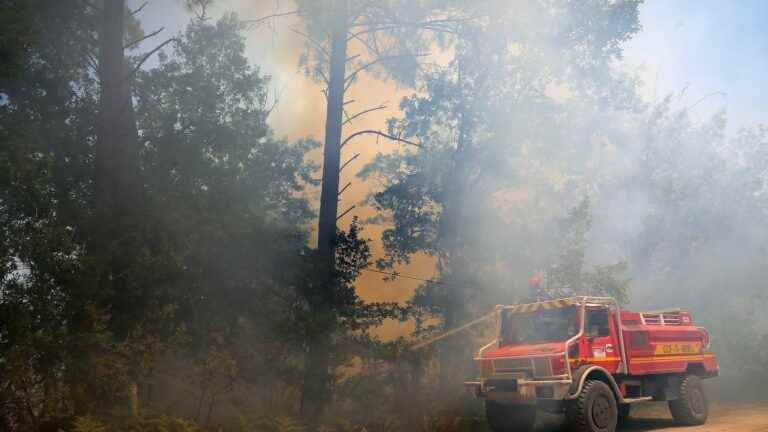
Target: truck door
(601, 339)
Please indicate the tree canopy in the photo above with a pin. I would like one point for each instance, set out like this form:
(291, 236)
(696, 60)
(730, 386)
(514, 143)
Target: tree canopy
(168, 261)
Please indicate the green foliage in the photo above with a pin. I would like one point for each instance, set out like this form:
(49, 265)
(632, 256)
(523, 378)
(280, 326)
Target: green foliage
(348, 317)
(221, 301)
(700, 242)
(16, 36)
(569, 275)
(217, 184)
(203, 116)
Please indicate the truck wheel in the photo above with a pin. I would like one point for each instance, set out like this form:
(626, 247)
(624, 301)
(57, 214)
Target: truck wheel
(594, 410)
(509, 418)
(624, 410)
(690, 408)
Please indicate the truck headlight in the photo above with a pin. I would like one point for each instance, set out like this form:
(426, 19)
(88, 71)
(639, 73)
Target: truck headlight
(706, 340)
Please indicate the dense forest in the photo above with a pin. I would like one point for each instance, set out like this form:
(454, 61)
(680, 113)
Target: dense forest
(168, 262)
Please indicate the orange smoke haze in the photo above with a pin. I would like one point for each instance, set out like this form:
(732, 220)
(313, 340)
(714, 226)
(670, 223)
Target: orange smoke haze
(300, 113)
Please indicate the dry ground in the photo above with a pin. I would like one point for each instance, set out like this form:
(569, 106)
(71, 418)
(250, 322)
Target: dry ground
(655, 417)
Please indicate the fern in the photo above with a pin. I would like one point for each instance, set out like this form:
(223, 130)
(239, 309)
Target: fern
(273, 424)
(287, 424)
(89, 424)
(162, 423)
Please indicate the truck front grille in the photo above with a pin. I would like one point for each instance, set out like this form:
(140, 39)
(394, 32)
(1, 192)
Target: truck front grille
(538, 367)
(542, 367)
(512, 365)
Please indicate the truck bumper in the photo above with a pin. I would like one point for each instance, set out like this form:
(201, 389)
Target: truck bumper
(519, 391)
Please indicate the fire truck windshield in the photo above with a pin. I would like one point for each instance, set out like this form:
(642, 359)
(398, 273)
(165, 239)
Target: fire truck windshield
(540, 326)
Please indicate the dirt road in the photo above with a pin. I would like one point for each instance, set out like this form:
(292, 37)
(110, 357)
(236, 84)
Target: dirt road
(655, 417)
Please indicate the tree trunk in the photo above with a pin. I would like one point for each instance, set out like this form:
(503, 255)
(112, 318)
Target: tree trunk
(454, 262)
(409, 402)
(333, 125)
(118, 184)
(117, 180)
(315, 393)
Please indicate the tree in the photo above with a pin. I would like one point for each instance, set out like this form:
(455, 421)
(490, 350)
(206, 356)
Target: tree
(118, 189)
(54, 96)
(221, 217)
(46, 125)
(480, 121)
(389, 38)
(568, 275)
(16, 38)
(225, 195)
(698, 235)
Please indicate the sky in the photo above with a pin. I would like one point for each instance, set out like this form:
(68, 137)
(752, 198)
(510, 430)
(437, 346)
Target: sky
(713, 54)
(703, 46)
(706, 46)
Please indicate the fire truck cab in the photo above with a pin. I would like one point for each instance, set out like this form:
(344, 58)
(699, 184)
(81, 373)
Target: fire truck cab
(590, 359)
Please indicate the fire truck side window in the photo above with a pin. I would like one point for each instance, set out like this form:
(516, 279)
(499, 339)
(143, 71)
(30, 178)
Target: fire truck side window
(597, 323)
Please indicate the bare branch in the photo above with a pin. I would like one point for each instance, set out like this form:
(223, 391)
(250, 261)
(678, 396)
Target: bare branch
(257, 21)
(141, 39)
(371, 25)
(357, 155)
(365, 43)
(370, 64)
(147, 56)
(363, 6)
(138, 9)
(362, 113)
(381, 134)
(706, 96)
(278, 93)
(314, 42)
(349, 102)
(344, 188)
(436, 25)
(345, 212)
(326, 80)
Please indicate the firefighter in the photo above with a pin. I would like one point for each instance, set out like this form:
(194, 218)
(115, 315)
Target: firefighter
(535, 285)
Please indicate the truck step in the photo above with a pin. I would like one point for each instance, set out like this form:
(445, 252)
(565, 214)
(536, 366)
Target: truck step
(639, 399)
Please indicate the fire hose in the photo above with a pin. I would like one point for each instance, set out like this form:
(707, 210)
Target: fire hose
(451, 332)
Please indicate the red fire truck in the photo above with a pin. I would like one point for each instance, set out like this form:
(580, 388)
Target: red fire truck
(592, 360)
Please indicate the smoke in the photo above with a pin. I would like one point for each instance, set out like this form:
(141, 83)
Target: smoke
(672, 193)
(276, 46)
